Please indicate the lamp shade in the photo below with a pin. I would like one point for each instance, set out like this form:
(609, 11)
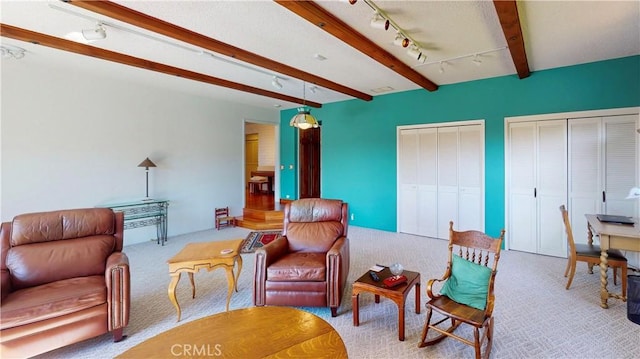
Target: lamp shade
(303, 119)
(147, 163)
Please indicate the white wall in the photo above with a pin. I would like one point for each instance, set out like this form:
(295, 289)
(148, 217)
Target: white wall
(71, 140)
(266, 142)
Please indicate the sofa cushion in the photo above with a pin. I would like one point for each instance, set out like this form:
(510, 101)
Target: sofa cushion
(52, 300)
(40, 263)
(298, 267)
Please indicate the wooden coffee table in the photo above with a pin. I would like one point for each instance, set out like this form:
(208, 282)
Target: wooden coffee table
(398, 294)
(207, 255)
(255, 332)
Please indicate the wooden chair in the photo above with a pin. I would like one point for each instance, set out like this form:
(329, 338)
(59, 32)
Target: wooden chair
(223, 219)
(591, 254)
(473, 260)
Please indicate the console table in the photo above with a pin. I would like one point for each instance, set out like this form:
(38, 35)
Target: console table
(144, 213)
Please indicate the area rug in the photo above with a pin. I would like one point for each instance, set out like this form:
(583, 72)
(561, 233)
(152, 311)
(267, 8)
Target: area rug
(258, 239)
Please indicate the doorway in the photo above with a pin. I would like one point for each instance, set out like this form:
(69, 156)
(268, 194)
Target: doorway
(260, 157)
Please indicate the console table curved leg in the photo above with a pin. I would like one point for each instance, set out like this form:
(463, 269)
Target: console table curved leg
(604, 294)
(175, 277)
(231, 283)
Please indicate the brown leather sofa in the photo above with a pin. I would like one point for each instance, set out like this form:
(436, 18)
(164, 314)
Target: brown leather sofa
(308, 266)
(64, 279)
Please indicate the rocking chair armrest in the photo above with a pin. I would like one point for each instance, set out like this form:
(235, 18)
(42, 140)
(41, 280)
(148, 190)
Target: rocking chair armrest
(430, 284)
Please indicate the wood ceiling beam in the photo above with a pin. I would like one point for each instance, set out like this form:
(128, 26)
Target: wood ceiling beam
(328, 22)
(510, 21)
(141, 20)
(82, 49)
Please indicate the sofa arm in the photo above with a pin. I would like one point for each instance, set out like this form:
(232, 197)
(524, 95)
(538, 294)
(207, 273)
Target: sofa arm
(264, 257)
(118, 290)
(338, 262)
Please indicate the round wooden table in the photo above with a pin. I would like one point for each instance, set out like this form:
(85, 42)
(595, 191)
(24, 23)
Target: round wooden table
(256, 332)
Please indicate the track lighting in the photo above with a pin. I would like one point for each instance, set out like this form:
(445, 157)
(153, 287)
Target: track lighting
(379, 22)
(313, 88)
(400, 40)
(416, 54)
(97, 33)
(12, 52)
(275, 82)
(441, 67)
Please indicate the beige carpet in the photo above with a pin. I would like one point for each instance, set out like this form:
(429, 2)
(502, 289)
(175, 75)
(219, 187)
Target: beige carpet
(535, 317)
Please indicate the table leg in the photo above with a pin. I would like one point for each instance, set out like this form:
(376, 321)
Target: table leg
(356, 309)
(231, 283)
(604, 293)
(239, 269)
(175, 277)
(193, 285)
(417, 289)
(400, 303)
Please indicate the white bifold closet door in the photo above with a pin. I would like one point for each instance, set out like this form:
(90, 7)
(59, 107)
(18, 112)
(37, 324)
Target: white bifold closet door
(538, 186)
(441, 179)
(603, 166)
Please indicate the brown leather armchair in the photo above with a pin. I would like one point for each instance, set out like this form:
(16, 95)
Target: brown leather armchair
(308, 266)
(64, 279)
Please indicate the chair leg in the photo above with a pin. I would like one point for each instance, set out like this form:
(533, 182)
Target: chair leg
(476, 341)
(615, 275)
(426, 328)
(572, 272)
(489, 335)
(624, 280)
(117, 335)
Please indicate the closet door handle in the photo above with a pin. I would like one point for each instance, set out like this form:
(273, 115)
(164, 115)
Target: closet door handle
(604, 197)
(535, 193)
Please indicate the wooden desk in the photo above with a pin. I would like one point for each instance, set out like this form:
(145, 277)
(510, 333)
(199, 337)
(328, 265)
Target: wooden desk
(397, 294)
(207, 255)
(255, 332)
(615, 236)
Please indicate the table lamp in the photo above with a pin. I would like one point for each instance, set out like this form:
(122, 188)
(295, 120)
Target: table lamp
(146, 164)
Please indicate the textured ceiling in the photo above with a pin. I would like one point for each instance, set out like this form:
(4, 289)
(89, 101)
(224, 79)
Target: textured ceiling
(556, 34)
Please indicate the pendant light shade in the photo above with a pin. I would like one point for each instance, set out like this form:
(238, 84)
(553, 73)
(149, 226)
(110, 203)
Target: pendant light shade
(303, 119)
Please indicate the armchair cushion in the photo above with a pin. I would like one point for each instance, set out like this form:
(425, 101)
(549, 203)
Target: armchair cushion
(313, 236)
(299, 267)
(52, 300)
(468, 283)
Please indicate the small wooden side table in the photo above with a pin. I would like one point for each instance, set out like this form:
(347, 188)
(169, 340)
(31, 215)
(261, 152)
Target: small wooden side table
(398, 294)
(206, 255)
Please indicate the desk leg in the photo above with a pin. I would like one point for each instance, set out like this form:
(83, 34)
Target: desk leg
(231, 282)
(175, 277)
(356, 309)
(604, 293)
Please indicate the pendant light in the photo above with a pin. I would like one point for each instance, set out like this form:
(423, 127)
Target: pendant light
(303, 119)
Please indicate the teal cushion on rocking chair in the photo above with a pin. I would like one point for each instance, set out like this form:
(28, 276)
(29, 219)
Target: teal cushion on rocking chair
(468, 283)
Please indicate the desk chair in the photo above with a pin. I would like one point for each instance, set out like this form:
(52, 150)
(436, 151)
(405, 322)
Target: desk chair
(466, 297)
(223, 219)
(591, 254)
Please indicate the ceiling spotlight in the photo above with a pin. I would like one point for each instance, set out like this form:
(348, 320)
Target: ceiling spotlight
(441, 67)
(401, 40)
(416, 54)
(379, 22)
(275, 82)
(313, 88)
(476, 60)
(97, 33)
(352, 1)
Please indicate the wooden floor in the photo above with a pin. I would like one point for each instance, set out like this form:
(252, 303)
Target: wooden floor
(260, 201)
(261, 212)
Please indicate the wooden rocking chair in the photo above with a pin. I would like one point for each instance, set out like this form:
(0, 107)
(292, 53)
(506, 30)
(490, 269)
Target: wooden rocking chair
(467, 294)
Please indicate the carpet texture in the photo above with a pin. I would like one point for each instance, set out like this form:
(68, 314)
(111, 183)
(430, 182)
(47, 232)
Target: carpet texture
(256, 240)
(535, 316)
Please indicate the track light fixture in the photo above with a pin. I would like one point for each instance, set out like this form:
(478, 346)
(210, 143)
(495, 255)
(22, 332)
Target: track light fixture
(441, 67)
(400, 40)
(9, 51)
(379, 22)
(416, 53)
(275, 82)
(97, 33)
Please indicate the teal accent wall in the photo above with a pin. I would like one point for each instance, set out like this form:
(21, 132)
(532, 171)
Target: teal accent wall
(358, 156)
